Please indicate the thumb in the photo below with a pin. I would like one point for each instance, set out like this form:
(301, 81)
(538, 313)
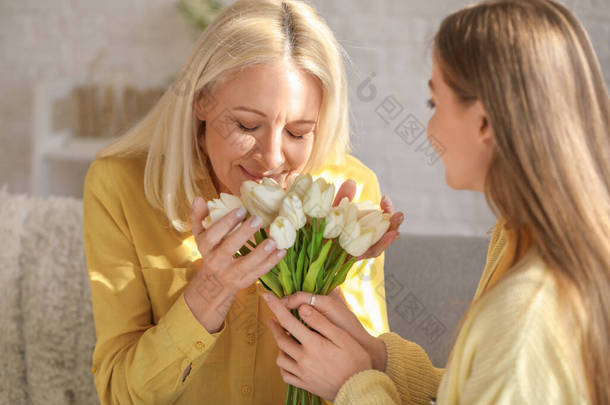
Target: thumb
(347, 189)
(199, 210)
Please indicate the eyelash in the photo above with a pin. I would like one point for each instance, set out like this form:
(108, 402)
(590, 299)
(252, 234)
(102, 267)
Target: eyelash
(246, 129)
(430, 104)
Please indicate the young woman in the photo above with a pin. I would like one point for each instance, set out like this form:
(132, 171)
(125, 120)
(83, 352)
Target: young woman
(178, 319)
(522, 110)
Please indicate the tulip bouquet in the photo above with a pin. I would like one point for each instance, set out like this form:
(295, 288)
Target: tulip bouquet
(322, 242)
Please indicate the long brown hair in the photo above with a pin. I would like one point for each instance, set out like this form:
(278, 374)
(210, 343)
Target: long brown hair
(532, 65)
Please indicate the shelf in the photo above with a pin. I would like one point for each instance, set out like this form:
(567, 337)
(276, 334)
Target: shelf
(75, 149)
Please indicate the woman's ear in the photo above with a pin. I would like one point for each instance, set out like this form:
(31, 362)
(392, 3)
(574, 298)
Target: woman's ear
(199, 105)
(486, 135)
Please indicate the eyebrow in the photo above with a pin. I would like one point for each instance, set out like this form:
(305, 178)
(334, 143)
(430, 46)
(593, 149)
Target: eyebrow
(252, 110)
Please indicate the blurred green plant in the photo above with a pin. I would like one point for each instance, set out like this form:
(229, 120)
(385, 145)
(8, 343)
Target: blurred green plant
(200, 13)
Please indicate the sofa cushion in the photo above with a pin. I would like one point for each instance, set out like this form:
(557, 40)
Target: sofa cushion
(430, 282)
(50, 300)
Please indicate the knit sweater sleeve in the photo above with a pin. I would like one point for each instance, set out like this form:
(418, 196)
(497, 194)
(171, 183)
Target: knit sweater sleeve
(412, 372)
(409, 378)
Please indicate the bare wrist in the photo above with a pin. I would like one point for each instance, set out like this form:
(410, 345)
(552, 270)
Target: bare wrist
(378, 353)
(209, 309)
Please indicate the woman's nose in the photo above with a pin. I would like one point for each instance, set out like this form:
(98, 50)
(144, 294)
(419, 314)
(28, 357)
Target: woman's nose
(270, 148)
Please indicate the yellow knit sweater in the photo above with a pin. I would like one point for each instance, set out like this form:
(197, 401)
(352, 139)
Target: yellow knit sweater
(514, 345)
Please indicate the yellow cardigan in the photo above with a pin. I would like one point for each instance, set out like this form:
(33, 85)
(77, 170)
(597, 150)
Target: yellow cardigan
(515, 346)
(150, 349)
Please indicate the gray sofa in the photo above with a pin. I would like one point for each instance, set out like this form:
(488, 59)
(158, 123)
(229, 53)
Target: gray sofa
(48, 336)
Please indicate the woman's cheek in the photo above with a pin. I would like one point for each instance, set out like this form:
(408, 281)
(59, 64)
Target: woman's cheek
(297, 153)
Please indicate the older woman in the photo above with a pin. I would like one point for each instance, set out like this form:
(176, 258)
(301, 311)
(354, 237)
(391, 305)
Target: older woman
(178, 319)
(521, 107)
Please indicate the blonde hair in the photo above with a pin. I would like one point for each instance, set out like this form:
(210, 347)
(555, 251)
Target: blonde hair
(531, 64)
(244, 34)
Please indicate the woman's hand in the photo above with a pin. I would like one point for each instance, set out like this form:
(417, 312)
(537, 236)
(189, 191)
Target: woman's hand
(348, 189)
(334, 307)
(323, 361)
(211, 292)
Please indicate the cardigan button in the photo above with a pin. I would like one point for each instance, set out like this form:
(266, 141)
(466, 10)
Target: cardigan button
(246, 389)
(200, 345)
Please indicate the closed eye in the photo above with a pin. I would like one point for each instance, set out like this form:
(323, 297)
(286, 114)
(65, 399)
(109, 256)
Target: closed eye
(246, 129)
(293, 135)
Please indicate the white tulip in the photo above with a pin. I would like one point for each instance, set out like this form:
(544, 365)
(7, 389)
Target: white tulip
(282, 232)
(377, 221)
(292, 209)
(319, 198)
(334, 223)
(362, 229)
(220, 207)
(353, 241)
(262, 199)
(301, 185)
(365, 207)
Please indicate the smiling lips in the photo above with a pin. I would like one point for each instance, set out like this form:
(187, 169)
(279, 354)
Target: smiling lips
(250, 175)
(258, 176)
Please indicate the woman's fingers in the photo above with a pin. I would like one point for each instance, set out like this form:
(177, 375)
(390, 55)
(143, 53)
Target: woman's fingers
(238, 238)
(291, 379)
(258, 262)
(286, 343)
(288, 321)
(287, 363)
(297, 299)
(347, 189)
(332, 306)
(209, 239)
(386, 204)
(395, 220)
(199, 210)
(320, 323)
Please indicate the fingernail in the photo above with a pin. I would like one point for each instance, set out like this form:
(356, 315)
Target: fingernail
(266, 296)
(281, 253)
(240, 213)
(256, 222)
(269, 244)
(306, 311)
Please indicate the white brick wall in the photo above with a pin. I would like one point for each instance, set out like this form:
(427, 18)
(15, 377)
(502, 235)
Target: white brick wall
(146, 41)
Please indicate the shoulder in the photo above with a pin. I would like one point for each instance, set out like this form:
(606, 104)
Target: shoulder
(520, 333)
(114, 173)
(353, 168)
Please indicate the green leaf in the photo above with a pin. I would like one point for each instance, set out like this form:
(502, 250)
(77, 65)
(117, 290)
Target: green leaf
(292, 259)
(251, 243)
(258, 236)
(330, 276)
(264, 233)
(299, 271)
(286, 278)
(271, 281)
(341, 275)
(312, 243)
(244, 250)
(311, 277)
